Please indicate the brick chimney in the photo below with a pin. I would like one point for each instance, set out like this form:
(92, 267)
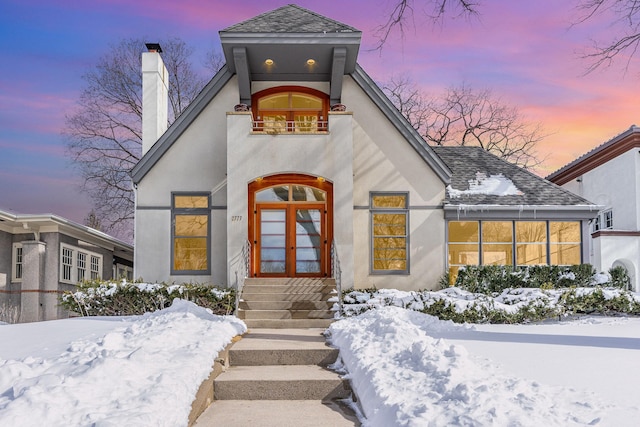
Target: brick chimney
(155, 96)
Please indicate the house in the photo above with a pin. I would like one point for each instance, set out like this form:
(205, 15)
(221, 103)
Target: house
(292, 154)
(42, 256)
(608, 175)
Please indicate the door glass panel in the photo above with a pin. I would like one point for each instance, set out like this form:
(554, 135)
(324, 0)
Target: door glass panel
(305, 123)
(308, 240)
(274, 101)
(273, 227)
(302, 193)
(304, 101)
(273, 194)
(275, 122)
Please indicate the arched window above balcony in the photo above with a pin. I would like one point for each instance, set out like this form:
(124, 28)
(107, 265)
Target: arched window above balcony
(290, 109)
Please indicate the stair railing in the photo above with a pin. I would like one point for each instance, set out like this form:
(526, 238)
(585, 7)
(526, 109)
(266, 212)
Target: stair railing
(336, 274)
(242, 270)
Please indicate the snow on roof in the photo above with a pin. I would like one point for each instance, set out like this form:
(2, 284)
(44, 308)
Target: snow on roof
(493, 185)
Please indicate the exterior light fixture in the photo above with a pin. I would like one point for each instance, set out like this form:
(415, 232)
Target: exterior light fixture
(268, 61)
(311, 61)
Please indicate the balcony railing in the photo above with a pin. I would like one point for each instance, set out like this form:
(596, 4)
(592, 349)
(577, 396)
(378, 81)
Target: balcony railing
(293, 126)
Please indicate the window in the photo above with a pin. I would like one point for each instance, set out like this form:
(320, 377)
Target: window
(497, 242)
(604, 221)
(122, 272)
(290, 109)
(607, 219)
(389, 233)
(191, 217)
(81, 266)
(517, 243)
(564, 242)
(463, 244)
(16, 265)
(73, 265)
(531, 242)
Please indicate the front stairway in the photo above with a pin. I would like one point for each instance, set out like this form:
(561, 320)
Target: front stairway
(287, 302)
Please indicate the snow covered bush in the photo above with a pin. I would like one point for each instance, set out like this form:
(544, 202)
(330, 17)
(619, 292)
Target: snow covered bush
(110, 298)
(609, 301)
(513, 305)
(492, 279)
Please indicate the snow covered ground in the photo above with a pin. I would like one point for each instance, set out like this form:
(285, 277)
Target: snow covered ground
(131, 371)
(407, 368)
(412, 369)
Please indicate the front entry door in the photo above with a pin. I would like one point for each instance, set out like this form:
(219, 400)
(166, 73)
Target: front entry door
(291, 240)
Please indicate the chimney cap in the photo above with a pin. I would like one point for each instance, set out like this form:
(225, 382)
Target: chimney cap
(154, 47)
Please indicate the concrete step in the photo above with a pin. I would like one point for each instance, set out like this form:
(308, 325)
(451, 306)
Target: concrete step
(285, 305)
(281, 382)
(277, 413)
(281, 347)
(288, 323)
(310, 296)
(285, 314)
(290, 281)
(288, 289)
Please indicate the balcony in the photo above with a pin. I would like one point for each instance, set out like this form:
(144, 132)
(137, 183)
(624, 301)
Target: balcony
(274, 127)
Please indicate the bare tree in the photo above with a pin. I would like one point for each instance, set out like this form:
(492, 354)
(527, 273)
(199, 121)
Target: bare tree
(92, 220)
(625, 31)
(462, 116)
(401, 14)
(625, 27)
(104, 136)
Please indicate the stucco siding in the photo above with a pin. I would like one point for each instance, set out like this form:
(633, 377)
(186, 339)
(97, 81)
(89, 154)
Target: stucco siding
(615, 185)
(384, 161)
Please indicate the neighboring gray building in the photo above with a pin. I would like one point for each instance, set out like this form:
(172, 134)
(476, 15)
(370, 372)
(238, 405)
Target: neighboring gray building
(292, 147)
(43, 255)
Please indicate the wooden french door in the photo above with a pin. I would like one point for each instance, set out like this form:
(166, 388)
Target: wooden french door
(290, 226)
(292, 240)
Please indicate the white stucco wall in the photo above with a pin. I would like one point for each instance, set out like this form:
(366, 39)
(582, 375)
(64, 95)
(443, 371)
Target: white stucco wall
(327, 155)
(614, 185)
(361, 153)
(195, 162)
(384, 161)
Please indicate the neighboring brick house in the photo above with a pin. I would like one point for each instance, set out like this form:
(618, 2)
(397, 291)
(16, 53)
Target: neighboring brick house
(609, 175)
(43, 255)
(292, 147)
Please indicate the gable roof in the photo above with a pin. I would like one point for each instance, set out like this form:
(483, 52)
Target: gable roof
(290, 19)
(601, 154)
(467, 164)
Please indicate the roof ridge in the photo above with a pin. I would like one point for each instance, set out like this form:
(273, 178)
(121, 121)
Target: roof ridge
(597, 148)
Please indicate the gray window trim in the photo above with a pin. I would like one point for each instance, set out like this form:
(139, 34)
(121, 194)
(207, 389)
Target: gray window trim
(195, 211)
(514, 242)
(372, 271)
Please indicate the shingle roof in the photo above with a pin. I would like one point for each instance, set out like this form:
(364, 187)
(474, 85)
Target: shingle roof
(290, 19)
(466, 162)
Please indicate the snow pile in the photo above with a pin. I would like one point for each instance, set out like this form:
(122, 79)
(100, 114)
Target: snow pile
(405, 377)
(145, 371)
(494, 185)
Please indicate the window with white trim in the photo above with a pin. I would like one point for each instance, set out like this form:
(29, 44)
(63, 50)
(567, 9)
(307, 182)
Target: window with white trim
(607, 219)
(75, 262)
(16, 263)
(122, 272)
(604, 221)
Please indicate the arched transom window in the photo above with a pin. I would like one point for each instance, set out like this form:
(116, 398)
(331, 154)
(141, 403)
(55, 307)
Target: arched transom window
(290, 109)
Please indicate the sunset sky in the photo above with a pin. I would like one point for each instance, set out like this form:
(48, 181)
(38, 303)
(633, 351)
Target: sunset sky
(526, 52)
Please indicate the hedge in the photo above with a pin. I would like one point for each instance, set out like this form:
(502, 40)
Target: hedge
(110, 298)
